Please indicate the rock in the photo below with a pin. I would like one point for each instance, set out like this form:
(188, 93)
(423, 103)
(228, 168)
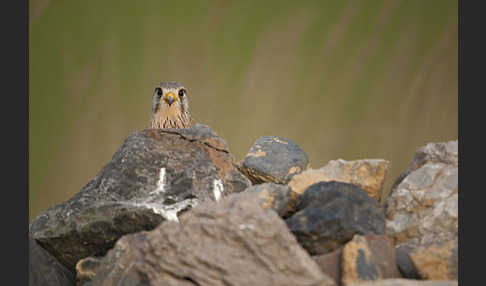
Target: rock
(423, 206)
(86, 269)
(44, 269)
(268, 196)
(404, 263)
(368, 174)
(406, 282)
(384, 254)
(154, 176)
(368, 258)
(330, 264)
(443, 152)
(331, 213)
(234, 242)
(436, 261)
(274, 159)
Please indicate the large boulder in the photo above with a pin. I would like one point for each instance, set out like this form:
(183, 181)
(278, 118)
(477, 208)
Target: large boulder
(45, 270)
(233, 242)
(329, 214)
(274, 159)
(154, 176)
(423, 205)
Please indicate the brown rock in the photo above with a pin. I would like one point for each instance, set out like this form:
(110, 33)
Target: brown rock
(444, 152)
(437, 261)
(330, 264)
(369, 174)
(423, 206)
(358, 263)
(268, 196)
(406, 282)
(233, 242)
(368, 258)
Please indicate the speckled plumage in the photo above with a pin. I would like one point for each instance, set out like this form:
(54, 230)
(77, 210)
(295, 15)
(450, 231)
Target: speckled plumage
(170, 107)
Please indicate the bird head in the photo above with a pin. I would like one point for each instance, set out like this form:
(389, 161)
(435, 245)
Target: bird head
(170, 106)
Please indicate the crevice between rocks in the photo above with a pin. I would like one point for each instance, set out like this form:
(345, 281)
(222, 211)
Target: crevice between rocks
(192, 140)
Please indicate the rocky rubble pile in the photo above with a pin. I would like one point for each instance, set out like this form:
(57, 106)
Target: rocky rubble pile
(173, 207)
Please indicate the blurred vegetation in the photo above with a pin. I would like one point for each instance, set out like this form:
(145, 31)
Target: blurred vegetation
(343, 79)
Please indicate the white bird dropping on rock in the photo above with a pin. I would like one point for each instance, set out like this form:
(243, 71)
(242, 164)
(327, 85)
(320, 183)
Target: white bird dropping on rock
(217, 189)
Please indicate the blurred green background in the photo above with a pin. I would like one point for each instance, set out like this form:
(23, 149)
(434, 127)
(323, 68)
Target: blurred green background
(343, 79)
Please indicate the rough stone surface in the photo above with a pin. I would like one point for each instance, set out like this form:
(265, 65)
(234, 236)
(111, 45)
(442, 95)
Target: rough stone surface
(404, 263)
(423, 206)
(406, 282)
(369, 174)
(368, 258)
(233, 242)
(274, 159)
(384, 254)
(44, 269)
(437, 261)
(330, 264)
(86, 269)
(154, 176)
(268, 196)
(443, 152)
(330, 213)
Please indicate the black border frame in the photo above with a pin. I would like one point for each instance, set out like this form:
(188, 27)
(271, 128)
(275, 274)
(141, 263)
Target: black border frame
(470, 63)
(15, 118)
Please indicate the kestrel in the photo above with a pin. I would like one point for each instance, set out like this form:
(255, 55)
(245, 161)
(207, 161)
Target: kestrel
(170, 106)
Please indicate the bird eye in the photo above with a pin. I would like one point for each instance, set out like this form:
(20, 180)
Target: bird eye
(181, 92)
(158, 90)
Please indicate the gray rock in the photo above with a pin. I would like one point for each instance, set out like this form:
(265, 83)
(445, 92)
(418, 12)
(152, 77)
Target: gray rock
(44, 269)
(274, 159)
(330, 213)
(368, 174)
(268, 196)
(423, 206)
(234, 242)
(154, 176)
(443, 152)
(405, 263)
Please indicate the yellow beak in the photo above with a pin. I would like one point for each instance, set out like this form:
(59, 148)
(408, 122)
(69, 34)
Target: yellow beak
(170, 98)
